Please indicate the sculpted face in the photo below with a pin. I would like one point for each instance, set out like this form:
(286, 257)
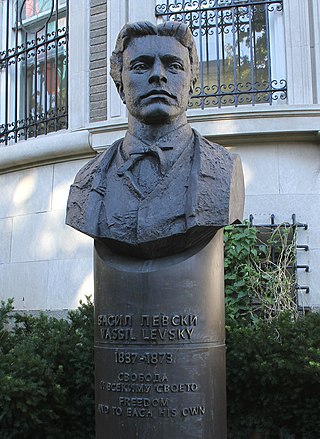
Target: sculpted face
(156, 79)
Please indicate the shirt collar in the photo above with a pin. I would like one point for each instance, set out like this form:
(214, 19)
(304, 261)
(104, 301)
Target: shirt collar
(172, 143)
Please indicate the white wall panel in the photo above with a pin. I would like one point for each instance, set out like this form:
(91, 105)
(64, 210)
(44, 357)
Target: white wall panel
(45, 236)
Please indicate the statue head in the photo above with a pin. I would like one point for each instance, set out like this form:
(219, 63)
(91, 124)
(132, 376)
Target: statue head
(167, 38)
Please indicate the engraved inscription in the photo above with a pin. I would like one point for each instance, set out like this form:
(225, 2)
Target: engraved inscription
(135, 394)
(139, 413)
(143, 402)
(143, 383)
(160, 320)
(146, 327)
(115, 320)
(125, 387)
(146, 383)
(165, 328)
(166, 334)
(122, 357)
(148, 408)
(118, 334)
(193, 411)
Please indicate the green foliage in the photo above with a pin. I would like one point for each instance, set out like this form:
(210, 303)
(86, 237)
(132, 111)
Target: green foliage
(259, 282)
(240, 252)
(5, 309)
(273, 378)
(46, 376)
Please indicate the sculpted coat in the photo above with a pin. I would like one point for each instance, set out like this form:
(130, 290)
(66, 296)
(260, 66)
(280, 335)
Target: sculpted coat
(199, 194)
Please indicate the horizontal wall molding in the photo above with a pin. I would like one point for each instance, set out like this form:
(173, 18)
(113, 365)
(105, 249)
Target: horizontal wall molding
(236, 125)
(232, 127)
(52, 148)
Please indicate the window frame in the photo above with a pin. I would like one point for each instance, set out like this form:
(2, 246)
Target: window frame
(210, 16)
(20, 119)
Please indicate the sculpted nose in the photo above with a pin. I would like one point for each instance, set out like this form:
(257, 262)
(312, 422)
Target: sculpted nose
(158, 73)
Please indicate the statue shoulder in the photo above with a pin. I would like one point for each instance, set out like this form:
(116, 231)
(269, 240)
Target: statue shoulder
(222, 171)
(90, 170)
(213, 152)
(85, 183)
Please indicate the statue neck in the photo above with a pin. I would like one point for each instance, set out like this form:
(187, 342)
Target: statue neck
(152, 133)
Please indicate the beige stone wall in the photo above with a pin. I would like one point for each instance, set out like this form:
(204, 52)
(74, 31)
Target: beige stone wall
(283, 178)
(43, 263)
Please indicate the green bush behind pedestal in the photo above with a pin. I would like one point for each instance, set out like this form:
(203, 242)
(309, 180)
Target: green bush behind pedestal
(47, 376)
(273, 378)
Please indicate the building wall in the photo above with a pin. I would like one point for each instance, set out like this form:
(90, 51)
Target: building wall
(283, 178)
(43, 263)
(46, 265)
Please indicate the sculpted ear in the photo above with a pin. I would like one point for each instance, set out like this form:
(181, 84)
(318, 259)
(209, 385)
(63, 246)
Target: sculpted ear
(119, 86)
(192, 85)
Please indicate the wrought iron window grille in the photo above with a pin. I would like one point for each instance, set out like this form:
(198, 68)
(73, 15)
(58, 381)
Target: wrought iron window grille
(263, 233)
(234, 46)
(34, 69)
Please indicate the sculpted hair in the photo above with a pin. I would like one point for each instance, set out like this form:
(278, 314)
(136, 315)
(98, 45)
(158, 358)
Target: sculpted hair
(179, 31)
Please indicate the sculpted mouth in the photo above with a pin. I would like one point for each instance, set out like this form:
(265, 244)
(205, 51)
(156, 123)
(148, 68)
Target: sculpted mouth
(158, 93)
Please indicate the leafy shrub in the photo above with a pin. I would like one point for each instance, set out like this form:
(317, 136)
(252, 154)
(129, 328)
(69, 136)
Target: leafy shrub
(273, 378)
(46, 376)
(240, 252)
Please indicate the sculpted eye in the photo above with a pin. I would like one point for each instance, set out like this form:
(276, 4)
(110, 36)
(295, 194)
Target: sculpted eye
(176, 66)
(139, 66)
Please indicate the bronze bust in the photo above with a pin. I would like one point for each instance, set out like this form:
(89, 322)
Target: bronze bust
(163, 188)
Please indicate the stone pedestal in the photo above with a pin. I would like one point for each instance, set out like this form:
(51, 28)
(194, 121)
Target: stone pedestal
(160, 345)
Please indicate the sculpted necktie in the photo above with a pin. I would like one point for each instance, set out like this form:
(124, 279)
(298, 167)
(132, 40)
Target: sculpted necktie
(139, 153)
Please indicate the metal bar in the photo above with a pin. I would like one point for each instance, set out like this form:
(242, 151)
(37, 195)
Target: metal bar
(252, 55)
(218, 94)
(46, 81)
(16, 77)
(272, 221)
(6, 115)
(304, 267)
(238, 40)
(222, 39)
(303, 247)
(36, 89)
(26, 87)
(268, 51)
(294, 222)
(234, 44)
(221, 6)
(67, 62)
(272, 224)
(201, 57)
(300, 287)
(56, 66)
(207, 44)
